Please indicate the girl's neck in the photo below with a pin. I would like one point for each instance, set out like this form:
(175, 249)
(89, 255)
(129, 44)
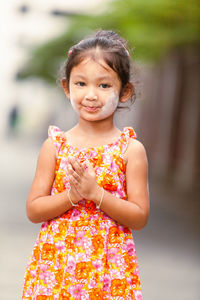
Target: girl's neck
(92, 134)
(96, 128)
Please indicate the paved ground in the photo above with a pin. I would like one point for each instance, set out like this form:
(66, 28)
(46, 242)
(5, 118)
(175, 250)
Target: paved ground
(168, 248)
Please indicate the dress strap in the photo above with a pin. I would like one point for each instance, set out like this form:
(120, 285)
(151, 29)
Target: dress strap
(128, 134)
(57, 136)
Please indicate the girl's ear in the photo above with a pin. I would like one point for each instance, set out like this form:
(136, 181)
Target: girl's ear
(65, 87)
(126, 92)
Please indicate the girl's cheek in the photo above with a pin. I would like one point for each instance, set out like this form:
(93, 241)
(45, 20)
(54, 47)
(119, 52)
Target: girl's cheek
(73, 103)
(110, 105)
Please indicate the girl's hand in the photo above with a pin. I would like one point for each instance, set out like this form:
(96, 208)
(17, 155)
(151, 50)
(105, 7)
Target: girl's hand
(74, 194)
(82, 179)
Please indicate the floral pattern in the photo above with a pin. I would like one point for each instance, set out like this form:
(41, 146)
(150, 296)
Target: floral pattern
(84, 254)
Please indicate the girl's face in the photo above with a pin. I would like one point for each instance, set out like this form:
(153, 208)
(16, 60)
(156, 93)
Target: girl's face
(93, 90)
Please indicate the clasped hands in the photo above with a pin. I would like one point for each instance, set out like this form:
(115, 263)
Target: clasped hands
(82, 179)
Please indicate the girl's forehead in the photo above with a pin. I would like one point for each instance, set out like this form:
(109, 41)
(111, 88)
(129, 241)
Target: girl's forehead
(89, 62)
(93, 66)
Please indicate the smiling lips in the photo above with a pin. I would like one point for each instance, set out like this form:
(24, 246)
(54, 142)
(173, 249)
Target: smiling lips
(92, 108)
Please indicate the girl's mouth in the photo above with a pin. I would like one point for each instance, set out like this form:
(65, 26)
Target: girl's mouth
(91, 109)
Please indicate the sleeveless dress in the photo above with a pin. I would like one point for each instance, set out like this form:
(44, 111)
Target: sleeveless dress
(84, 254)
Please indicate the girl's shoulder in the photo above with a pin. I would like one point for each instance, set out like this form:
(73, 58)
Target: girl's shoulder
(134, 148)
(136, 152)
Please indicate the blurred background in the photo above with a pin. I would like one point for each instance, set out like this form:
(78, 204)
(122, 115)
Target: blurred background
(164, 40)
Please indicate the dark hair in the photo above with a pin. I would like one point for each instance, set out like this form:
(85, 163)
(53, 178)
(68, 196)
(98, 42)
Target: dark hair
(113, 49)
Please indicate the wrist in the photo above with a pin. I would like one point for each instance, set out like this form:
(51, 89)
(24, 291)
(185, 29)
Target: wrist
(98, 206)
(95, 197)
(98, 195)
(72, 199)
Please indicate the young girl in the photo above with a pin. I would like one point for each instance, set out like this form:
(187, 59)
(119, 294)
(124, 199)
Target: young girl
(90, 188)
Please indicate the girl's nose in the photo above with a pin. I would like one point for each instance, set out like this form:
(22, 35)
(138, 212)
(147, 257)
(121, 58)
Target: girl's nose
(91, 95)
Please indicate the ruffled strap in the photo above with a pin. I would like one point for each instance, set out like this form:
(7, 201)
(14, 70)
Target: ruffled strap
(128, 133)
(57, 136)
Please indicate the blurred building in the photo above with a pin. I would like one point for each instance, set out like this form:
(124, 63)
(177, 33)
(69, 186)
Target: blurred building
(24, 26)
(170, 118)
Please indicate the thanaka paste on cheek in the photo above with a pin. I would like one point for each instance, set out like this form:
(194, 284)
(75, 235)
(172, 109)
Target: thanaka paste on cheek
(110, 105)
(73, 104)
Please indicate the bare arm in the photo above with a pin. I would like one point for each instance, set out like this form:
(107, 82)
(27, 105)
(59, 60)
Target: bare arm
(134, 212)
(40, 205)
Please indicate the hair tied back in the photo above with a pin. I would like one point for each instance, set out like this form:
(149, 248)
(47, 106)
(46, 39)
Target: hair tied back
(124, 47)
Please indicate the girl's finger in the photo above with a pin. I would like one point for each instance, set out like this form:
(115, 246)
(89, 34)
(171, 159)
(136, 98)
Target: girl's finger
(78, 167)
(70, 164)
(88, 166)
(73, 173)
(74, 181)
(73, 163)
(70, 169)
(73, 188)
(76, 176)
(71, 181)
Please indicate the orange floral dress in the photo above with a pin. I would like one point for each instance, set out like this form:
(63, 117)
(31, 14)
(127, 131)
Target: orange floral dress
(84, 254)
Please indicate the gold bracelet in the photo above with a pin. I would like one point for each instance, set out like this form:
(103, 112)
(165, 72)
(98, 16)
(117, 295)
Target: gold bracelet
(98, 206)
(73, 204)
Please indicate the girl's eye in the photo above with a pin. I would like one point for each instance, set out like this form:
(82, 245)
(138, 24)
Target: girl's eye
(80, 83)
(104, 85)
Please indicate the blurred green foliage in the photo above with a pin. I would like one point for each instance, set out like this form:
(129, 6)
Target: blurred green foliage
(151, 27)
